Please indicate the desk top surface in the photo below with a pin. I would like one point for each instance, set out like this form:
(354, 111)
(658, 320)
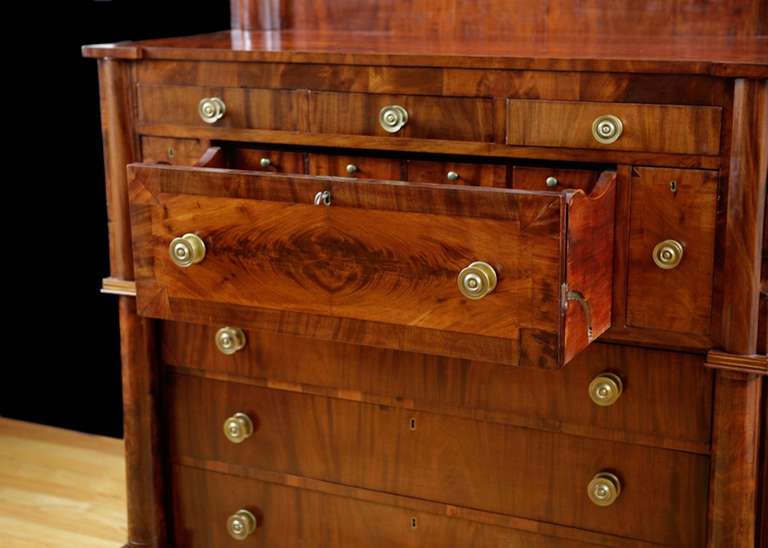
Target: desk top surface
(720, 56)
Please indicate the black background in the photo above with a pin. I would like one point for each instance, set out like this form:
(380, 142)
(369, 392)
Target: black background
(61, 363)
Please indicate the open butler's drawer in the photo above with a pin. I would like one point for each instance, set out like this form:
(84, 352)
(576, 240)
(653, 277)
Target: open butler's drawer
(509, 276)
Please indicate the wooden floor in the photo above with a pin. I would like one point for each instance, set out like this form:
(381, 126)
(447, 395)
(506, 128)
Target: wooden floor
(59, 488)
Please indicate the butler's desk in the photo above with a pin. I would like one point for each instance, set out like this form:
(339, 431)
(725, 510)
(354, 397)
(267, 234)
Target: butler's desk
(443, 274)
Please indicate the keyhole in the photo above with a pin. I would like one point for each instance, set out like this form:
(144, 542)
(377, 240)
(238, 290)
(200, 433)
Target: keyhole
(414, 523)
(412, 424)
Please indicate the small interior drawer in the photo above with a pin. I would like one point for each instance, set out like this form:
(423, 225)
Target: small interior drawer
(625, 126)
(184, 152)
(415, 116)
(553, 178)
(267, 159)
(363, 167)
(495, 274)
(458, 173)
(245, 108)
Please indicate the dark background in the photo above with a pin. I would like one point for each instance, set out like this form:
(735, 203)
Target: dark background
(61, 340)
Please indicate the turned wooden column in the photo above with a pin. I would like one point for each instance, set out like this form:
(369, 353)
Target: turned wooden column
(737, 412)
(140, 372)
(257, 14)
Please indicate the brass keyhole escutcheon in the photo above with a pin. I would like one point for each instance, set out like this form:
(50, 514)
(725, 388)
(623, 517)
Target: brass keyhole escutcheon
(607, 129)
(605, 389)
(242, 524)
(604, 489)
(477, 280)
(187, 250)
(668, 254)
(238, 428)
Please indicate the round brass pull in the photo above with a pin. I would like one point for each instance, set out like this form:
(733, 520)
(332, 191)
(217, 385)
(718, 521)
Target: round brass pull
(392, 118)
(211, 109)
(607, 129)
(551, 182)
(230, 340)
(668, 254)
(238, 428)
(452, 176)
(187, 250)
(604, 489)
(605, 389)
(265, 163)
(477, 280)
(352, 169)
(242, 524)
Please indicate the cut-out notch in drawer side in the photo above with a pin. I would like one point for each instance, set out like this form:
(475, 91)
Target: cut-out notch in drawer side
(381, 265)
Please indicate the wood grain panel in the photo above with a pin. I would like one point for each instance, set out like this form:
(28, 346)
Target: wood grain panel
(246, 108)
(667, 401)
(470, 173)
(267, 249)
(295, 516)
(444, 459)
(651, 128)
(368, 167)
(679, 299)
(183, 152)
(446, 118)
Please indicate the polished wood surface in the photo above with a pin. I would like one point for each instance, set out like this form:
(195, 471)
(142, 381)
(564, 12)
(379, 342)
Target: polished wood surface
(60, 488)
(383, 253)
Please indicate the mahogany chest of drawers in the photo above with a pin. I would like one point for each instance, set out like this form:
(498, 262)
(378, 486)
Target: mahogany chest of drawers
(429, 280)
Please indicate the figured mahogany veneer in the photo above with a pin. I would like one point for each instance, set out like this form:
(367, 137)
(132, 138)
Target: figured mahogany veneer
(382, 253)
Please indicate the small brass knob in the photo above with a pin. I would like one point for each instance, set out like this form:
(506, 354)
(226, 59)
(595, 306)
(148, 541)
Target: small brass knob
(668, 254)
(211, 109)
(392, 118)
(604, 489)
(607, 129)
(605, 389)
(477, 280)
(551, 182)
(238, 428)
(352, 168)
(265, 162)
(242, 524)
(452, 176)
(230, 340)
(187, 250)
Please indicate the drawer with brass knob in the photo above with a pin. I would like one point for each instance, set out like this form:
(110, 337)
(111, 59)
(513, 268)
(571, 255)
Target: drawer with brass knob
(675, 129)
(358, 166)
(458, 173)
(219, 107)
(273, 160)
(425, 261)
(486, 466)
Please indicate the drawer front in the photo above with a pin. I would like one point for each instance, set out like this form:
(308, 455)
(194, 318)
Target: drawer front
(363, 167)
(458, 173)
(666, 399)
(649, 128)
(546, 178)
(446, 118)
(267, 160)
(382, 253)
(452, 460)
(183, 152)
(244, 107)
(292, 517)
(671, 208)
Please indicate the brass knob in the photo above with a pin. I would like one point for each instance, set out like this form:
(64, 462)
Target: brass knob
(604, 489)
(477, 280)
(187, 250)
(551, 182)
(392, 118)
(242, 524)
(265, 162)
(230, 339)
(352, 168)
(607, 129)
(452, 176)
(211, 109)
(238, 428)
(668, 254)
(605, 389)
